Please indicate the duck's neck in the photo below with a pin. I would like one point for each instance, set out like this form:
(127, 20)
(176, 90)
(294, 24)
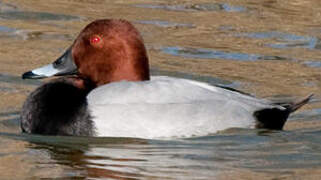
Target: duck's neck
(129, 72)
(133, 66)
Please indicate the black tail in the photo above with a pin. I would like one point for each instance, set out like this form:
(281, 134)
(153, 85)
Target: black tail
(275, 118)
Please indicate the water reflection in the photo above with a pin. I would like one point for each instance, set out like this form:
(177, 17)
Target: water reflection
(6, 89)
(12, 79)
(314, 114)
(195, 7)
(7, 7)
(206, 157)
(9, 114)
(30, 35)
(216, 54)
(4, 29)
(40, 16)
(11, 12)
(164, 23)
(314, 64)
(8, 32)
(286, 40)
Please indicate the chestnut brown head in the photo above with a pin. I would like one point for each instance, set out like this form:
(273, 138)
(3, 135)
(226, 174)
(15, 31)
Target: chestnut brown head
(105, 51)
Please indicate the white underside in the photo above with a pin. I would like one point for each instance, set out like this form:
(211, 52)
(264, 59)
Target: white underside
(169, 107)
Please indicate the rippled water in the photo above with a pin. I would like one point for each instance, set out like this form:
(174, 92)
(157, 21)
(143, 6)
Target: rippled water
(266, 48)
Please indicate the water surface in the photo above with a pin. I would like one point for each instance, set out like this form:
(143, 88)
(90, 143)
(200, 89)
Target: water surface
(266, 48)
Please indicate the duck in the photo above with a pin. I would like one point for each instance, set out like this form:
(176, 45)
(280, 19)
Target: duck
(103, 88)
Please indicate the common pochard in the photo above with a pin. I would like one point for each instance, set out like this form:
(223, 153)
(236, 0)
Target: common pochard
(108, 91)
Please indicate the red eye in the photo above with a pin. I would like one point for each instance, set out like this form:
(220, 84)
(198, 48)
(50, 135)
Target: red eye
(95, 40)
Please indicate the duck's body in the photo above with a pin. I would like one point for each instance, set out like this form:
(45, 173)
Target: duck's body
(158, 108)
(124, 101)
(170, 107)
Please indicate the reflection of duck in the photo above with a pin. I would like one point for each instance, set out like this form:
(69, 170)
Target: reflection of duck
(112, 94)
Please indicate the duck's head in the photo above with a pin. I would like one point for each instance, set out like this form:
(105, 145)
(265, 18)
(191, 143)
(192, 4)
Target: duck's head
(105, 51)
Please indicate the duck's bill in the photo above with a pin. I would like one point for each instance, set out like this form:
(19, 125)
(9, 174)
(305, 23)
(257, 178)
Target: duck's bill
(64, 65)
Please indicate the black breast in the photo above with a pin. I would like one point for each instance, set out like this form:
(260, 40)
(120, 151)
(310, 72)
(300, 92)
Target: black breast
(57, 108)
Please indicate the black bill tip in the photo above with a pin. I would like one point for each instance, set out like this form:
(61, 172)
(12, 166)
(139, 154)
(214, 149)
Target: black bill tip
(31, 75)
